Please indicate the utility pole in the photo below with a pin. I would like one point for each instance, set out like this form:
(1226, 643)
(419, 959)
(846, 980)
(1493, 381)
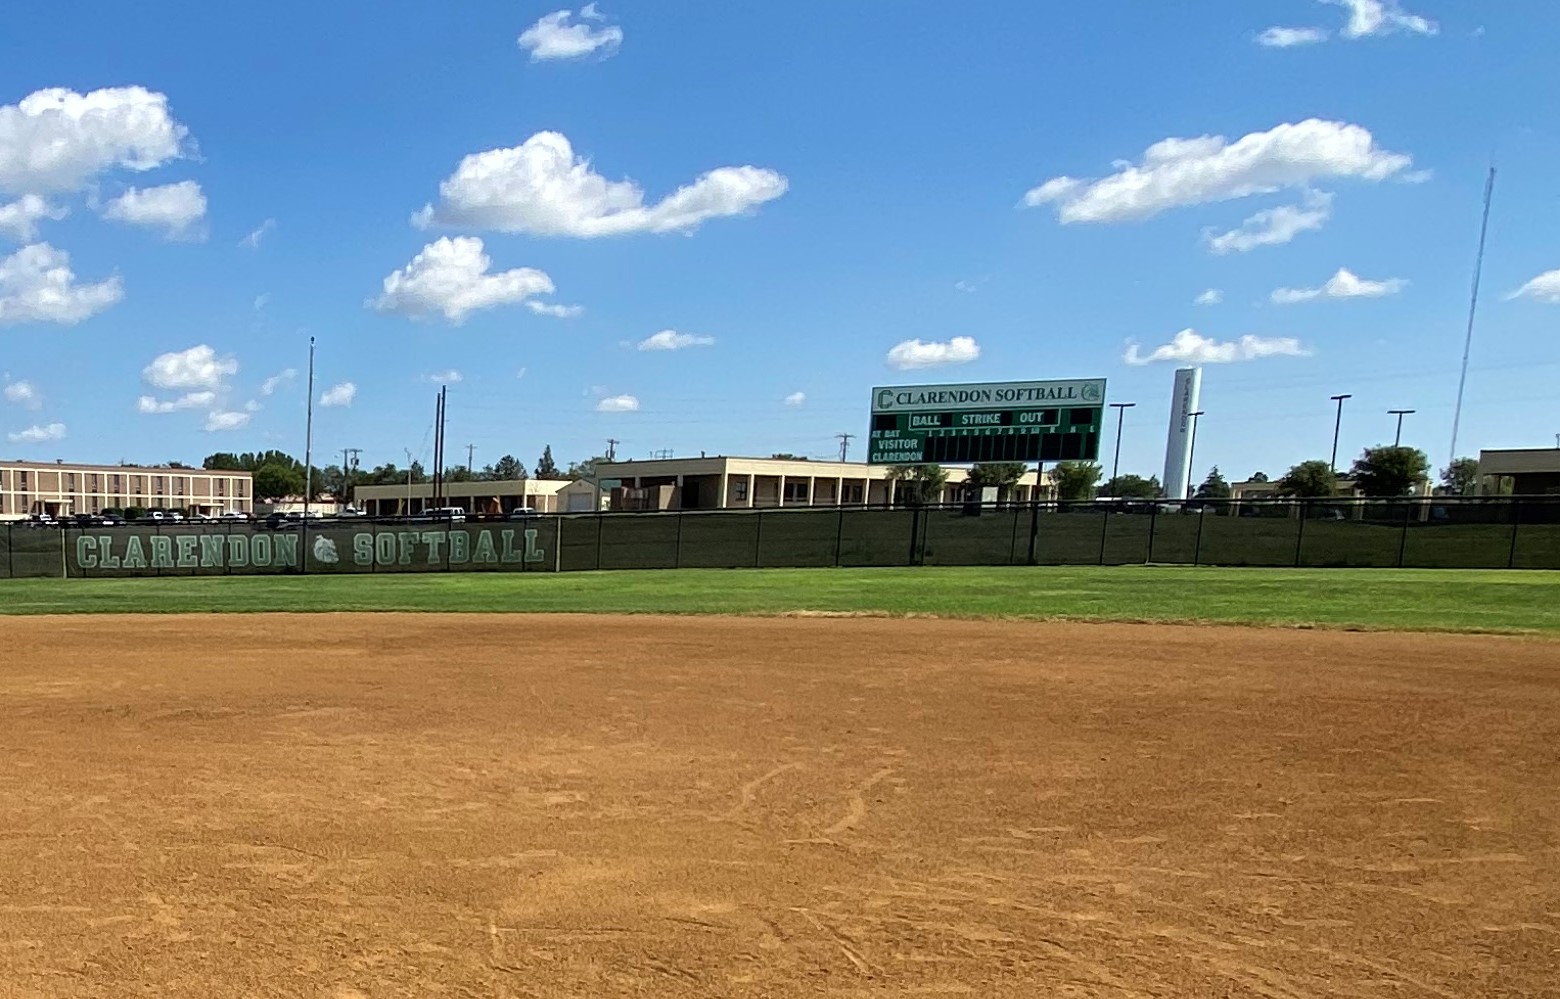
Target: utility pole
(1121, 416)
(348, 466)
(1397, 438)
(1473, 308)
(409, 463)
(1337, 426)
(1191, 454)
(612, 444)
(470, 450)
(308, 442)
(845, 440)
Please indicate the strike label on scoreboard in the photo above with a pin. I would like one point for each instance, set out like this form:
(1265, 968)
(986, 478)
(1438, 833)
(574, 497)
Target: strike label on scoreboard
(999, 421)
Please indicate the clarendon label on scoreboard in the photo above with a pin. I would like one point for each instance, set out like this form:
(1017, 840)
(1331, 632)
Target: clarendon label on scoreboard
(946, 398)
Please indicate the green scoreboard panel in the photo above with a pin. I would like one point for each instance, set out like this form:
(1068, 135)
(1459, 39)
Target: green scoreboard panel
(999, 421)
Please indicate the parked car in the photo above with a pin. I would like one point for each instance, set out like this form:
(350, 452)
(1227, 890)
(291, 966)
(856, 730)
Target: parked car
(234, 515)
(521, 513)
(448, 514)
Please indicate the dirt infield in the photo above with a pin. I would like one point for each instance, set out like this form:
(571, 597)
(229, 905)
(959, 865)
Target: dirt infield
(396, 806)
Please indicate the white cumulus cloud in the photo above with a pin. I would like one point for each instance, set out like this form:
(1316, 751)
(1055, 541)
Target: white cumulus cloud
(23, 393)
(556, 311)
(199, 367)
(1344, 284)
(1273, 226)
(447, 377)
(559, 36)
(910, 354)
(174, 208)
(1286, 38)
(673, 340)
(37, 285)
(1191, 347)
(220, 420)
(189, 400)
(1381, 17)
(450, 278)
(618, 404)
(1178, 172)
(1212, 296)
(19, 219)
(541, 187)
(255, 238)
(796, 399)
(59, 140)
(1545, 288)
(339, 395)
(276, 381)
(38, 434)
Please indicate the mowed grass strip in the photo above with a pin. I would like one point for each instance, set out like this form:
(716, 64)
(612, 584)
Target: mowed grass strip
(1413, 600)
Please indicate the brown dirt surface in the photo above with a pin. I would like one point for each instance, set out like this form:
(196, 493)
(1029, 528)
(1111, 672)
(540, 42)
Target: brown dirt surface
(361, 807)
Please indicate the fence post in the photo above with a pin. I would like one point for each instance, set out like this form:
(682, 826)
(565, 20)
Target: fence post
(1153, 525)
(557, 544)
(10, 551)
(1516, 521)
(1104, 527)
(915, 527)
(758, 540)
(1034, 524)
(1408, 511)
(1202, 515)
(677, 548)
(839, 535)
(600, 524)
(1300, 508)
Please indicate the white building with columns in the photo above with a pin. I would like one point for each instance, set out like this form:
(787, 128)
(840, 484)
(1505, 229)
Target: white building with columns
(725, 483)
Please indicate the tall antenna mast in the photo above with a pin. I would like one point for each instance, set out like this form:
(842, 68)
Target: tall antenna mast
(308, 441)
(1473, 305)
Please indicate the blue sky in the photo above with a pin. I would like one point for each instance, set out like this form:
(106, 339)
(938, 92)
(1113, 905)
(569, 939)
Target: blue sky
(784, 194)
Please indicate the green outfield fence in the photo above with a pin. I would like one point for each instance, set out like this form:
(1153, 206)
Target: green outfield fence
(1506, 532)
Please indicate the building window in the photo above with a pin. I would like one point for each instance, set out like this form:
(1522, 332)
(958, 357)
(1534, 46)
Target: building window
(113, 481)
(24, 479)
(739, 490)
(852, 492)
(796, 492)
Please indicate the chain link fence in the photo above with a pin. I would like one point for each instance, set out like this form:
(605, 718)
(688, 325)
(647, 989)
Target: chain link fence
(1475, 533)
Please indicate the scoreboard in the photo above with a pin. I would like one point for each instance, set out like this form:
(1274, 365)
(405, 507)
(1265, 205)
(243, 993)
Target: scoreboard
(998, 421)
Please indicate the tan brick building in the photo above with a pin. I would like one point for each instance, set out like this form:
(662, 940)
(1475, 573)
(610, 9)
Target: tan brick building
(60, 490)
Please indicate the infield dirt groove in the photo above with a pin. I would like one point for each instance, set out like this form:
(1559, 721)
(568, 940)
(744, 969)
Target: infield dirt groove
(348, 806)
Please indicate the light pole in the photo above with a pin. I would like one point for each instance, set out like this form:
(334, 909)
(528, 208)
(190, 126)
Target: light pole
(1191, 454)
(1397, 438)
(1337, 426)
(1121, 415)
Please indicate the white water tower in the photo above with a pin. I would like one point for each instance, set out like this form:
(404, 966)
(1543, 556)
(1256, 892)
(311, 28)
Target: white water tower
(1184, 401)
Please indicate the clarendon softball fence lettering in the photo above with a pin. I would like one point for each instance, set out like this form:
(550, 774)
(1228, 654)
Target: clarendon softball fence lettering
(1468, 533)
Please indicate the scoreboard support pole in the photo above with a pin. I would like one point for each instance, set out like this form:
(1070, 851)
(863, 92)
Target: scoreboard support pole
(1034, 511)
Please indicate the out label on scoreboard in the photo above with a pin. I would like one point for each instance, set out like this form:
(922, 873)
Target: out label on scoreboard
(997, 421)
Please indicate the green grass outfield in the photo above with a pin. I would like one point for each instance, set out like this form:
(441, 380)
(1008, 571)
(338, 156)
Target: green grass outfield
(1413, 599)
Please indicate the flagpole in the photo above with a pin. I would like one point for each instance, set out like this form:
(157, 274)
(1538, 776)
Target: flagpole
(308, 441)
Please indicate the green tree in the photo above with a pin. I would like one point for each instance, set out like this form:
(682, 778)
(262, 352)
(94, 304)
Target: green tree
(458, 473)
(1132, 487)
(585, 470)
(1390, 471)
(1001, 475)
(546, 468)
(1259, 477)
(1309, 479)
(1075, 480)
(274, 480)
(787, 456)
(225, 461)
(1461, 477)
(918, 485)
(1214, 487)
(508, 467)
